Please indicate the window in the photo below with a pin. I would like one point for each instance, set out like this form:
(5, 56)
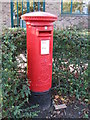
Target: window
(74, 7)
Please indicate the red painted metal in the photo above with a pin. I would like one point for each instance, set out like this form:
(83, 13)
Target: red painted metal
(39, 49)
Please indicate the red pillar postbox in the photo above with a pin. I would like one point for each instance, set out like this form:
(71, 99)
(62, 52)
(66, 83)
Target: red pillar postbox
(39, 51)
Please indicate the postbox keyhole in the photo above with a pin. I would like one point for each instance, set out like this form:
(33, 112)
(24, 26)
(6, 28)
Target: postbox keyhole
(45, 27)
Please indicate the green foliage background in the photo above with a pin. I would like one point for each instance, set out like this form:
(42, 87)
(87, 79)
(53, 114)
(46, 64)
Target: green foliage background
(69, 47)
(15, 88)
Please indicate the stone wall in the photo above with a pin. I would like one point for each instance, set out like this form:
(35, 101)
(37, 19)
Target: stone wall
(6, 14)
(51, 6)
(0, 18)
(64, 21)
(72, 20)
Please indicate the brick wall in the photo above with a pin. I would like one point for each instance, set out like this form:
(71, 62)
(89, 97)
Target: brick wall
(66, 20)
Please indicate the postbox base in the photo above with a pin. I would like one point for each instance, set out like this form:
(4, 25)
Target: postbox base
(43, 99)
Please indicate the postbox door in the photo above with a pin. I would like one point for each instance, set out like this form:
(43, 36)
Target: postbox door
(44, 76)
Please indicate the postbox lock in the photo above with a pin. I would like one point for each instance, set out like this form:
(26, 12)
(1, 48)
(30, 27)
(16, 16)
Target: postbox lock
(45, 27)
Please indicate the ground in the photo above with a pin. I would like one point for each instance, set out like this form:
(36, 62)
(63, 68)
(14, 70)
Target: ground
(74, 108)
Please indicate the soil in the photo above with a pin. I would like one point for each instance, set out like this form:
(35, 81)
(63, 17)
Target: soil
(75, 108)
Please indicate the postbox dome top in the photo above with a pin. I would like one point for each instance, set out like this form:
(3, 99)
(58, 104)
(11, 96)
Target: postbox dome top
(39, 16)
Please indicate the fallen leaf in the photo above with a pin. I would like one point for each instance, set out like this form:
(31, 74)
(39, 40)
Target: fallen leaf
(62, 99)
(86, 100)
(55, 100)
(56, 96)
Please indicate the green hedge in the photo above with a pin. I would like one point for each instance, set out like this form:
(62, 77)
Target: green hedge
(15, 85)
(70, 47)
